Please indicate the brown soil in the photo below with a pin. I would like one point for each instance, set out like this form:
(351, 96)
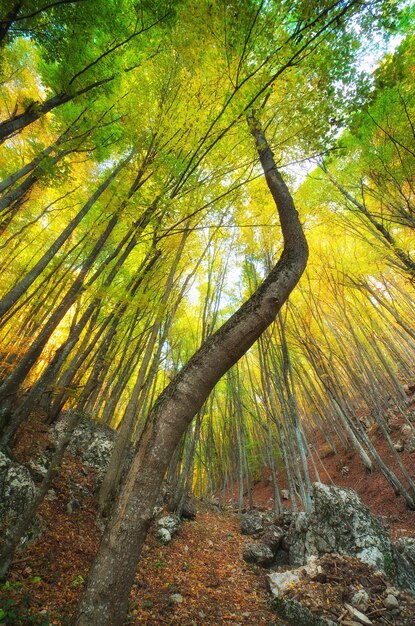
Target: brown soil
(203, 563)
(347, 470)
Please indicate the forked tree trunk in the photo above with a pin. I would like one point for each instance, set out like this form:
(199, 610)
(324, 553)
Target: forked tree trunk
(105, 599)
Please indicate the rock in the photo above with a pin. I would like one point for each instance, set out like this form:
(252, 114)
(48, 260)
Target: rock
(358, 615)
(284, 519)
(409, 445)
(258, 553)
(98, 453)
(272, 537)
(282, 557)
(339, 522)
(280, 581)
(51, 495)
(252, 523)
(38, 467)
(404, 558)
(73, 505)
(399, 446)
(297, 614)
(169, 522)
(285, 494)
(17, 489)
(390, 602)
(157, 510)
(360, 600)
(163, 535)
(408, 438)
(175, 598)
(92, 442)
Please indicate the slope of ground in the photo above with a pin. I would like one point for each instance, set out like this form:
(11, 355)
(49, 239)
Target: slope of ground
(199, 578)
(346, 469)
(203, 564)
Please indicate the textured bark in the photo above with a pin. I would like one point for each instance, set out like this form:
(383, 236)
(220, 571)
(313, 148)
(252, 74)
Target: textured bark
(105, 599)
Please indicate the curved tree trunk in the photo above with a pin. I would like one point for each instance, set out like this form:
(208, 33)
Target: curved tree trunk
(105, 599)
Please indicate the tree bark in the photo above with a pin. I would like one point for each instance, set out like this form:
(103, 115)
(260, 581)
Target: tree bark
(105, 599)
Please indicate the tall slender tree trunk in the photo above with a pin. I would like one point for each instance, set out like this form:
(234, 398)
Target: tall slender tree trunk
(105, 599)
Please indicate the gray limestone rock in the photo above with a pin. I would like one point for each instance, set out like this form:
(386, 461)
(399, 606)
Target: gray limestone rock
(272, 537)
(297, 614)
(90, 441)
(175, 598)
(252, 523)
(170, 522)
(404, 558)
(339, 522)
(391, 602)
(408, 438)
(17, 490)
(163, 535)
(360, 600)
(258, 553)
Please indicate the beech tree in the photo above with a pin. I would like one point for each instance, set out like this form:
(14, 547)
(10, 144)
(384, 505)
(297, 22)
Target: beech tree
(105, 600)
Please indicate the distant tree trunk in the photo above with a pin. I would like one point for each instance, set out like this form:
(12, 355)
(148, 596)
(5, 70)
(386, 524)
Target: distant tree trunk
(129, 420)
(11, 385)
(9, 19)
(408, 264)
(105, 599)
(19, 289)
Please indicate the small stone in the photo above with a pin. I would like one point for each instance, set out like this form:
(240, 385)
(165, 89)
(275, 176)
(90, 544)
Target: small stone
(358, 615)
(73, 505)
(175, 598)
(399, 447)
(285, 494)
(392, 591)
(163, 535)
(360, 600)
(390, 602)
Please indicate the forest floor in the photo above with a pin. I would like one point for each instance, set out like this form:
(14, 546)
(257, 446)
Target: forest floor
(203, 563)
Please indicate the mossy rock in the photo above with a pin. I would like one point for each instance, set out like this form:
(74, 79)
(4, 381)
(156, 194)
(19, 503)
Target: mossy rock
(297, 614)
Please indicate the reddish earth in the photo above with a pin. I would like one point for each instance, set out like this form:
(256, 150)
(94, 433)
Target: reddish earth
(203, 564)
(347, 470)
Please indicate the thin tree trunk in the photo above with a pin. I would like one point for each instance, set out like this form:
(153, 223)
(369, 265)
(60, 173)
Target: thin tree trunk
(21, 287)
